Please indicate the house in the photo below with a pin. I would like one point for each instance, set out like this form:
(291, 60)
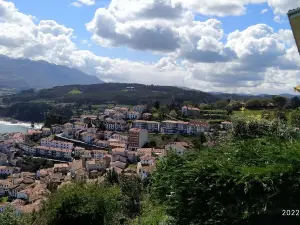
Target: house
(120, 137)
(190, 111)
(226, 125)
(139, 108)
(98, 154)
(46, 131)
(78, 151)
(101, 144)
(96, 164)
(137, 138)
(28, 148)
(119, 116)
(117, 145)
(107, 134)
(54, 153)
(115, 125)
(178, 147)
(196, 127)
(80, 126)
(147, 116)
(109, 112)
(118, 164)
(144, 171)
(56, 128)
(133, 115)
(151, 126)
(48, 142)
(147, 160)
(144, 151)
(174, 127)
(61, 168)
(6, 170)
(87, 137)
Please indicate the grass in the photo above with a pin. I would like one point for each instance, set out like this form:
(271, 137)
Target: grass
(4, 199)
(75, 92)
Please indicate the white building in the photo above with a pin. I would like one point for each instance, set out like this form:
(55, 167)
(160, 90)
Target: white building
(197, 127)
(133, 115)
(147, 160)
(6, 170)
(46, 131)
(151, 126)
(87, 137)
(139, 108)
(78, 151)
(137, 138)
(28, 149)
(178, 147)
(47, 142)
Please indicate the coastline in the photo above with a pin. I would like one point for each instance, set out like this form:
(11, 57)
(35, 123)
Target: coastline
(12, 122)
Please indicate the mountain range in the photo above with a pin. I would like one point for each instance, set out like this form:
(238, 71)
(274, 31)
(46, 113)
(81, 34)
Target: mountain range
(19, 73)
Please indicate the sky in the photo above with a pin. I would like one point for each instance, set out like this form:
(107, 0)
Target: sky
(240, 46)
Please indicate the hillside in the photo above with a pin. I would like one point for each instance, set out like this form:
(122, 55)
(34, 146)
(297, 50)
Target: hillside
(113, 93)
(23, 74)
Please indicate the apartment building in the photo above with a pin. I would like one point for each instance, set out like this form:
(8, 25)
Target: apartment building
(190, 111)
(87, 137)
(137, 138)
(174, 127)
(196, 127)
(133, 115)
(150, 126)
(115, 125)
(139, 108)
(48, 142)
(55, 153)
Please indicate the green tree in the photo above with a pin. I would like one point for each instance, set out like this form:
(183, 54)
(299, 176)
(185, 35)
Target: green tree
(254, 104)
(295, 118)
(173, 113)
(279, 101)
(82, 204)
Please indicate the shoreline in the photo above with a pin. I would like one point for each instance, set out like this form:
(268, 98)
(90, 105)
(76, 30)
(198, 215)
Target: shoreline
(13, 122)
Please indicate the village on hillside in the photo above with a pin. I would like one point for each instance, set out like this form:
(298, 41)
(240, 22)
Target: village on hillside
(118, 140)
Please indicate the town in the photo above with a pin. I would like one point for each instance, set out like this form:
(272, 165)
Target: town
(86, 148)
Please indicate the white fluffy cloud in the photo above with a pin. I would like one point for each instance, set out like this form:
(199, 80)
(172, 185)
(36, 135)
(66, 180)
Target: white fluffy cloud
(80, 3)
(197, 54)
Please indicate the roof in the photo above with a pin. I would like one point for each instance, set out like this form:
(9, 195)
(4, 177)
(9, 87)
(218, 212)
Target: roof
(148, 168)
(119, 150)
(147, 157)
(53, 149)
(226, 122)
(61, 165)
(135, 130)
(117, 145)
(191, 108)
(293, 11)
(199, 123)
(143, 151)
(184, 144)
(144, 121)
(175, 122)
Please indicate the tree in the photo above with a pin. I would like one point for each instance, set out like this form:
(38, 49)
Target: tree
(295, 118)
(253, 104)
(156, 105)
(82, 204)
(236, 105)
(173, 113)
(221, 104)
(279, 101)
(294, 103)
(238, 182)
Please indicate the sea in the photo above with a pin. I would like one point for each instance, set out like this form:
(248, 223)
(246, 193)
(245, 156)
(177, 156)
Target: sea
(8, 127)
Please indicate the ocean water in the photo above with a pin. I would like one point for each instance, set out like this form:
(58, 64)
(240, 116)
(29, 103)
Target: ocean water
(7, 127)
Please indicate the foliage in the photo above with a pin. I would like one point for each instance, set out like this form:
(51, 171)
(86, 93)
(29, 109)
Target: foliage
(260, 128)
(238, 182)
(10, 217)
(75, 91)
(173, 113)
(279, 101)
(295, 118)
(31, 164)
(82, 204)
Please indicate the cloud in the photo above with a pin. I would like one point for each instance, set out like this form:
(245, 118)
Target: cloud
(264, 11)
(197, 55)
(277, 19)
(80, 3)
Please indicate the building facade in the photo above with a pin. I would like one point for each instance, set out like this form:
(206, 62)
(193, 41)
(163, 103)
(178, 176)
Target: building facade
(137, 138)
(151, 126)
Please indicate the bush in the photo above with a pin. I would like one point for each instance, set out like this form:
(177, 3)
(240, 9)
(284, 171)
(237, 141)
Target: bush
(82, 204)
(238, 182)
